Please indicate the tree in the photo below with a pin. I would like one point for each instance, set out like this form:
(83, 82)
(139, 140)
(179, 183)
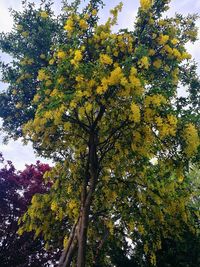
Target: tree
(16, 191)
(176, 251)
(106, 106)
(28, 44)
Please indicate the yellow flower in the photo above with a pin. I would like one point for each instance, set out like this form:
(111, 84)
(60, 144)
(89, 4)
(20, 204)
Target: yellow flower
(163, 39)
(135, 116)
(105, 59)
(69, 26)
(83, 24)
(152, 52)
(156, 100)
(54, 206)
(191, 137)
(67, 126)
(141, 229)
(186, 55)
(174, 41)
(61, 80)
(144, 63)
(48, 83)
(25, 34)
(116, 76)
(51, 61)
(61, 54)
(36, 98)
(18, 105)
(124, 82)
(100, 90)
(168, 49)
(88, 107)
(41, 75)
(177, 54)
(133, 71)
(94, 12)
(145, 4)
(19, 27)
(157, 63)
(153, 259)
(78, 56)
(44, 14)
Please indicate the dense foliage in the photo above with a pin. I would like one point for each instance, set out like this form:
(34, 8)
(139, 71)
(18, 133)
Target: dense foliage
(104, 106)
(16, 191)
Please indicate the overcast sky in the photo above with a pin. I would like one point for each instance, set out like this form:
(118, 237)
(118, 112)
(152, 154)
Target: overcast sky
(20, 154)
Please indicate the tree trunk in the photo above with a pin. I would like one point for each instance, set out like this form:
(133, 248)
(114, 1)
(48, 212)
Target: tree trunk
(78, 235)
(82, 239)
(87, 200)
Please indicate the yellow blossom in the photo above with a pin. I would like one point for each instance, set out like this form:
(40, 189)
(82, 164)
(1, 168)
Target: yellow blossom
(18, 105)
(41, 75)
(133, 71)
(153, 259)
(14, 92)
(88, 107)
(83, 24)
(124, 82)
(61, 54)
(163, 39)
(168, 49)
(157, 63)
(156, 100)
(152, 52)
(48, 83)
(67, 126)
(25, 34)
(174, 41)
(176, 53)
(94, 12)
(135, 116)
(51, 61)
(145, 4)
(69, 26)
(144, 62)
(141, 229)
(186, 55)
(116, 76)
(105, 59)
(77, 56)
(191, 137)
(44, 14)
(19, 27)
(54, 206)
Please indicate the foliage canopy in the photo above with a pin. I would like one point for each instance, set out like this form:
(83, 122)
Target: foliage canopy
(103, 105)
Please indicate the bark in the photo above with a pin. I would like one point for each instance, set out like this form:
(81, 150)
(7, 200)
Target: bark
(86, 201)
(68, 252)
(78, 239)
(82, 239)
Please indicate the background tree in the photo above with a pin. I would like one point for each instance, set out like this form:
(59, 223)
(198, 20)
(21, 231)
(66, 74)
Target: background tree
(106, 105)
(176, 251)
(28, 44)
(16, 191)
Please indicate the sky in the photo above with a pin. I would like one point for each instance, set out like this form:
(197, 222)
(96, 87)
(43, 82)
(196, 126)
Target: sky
(14, 150)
